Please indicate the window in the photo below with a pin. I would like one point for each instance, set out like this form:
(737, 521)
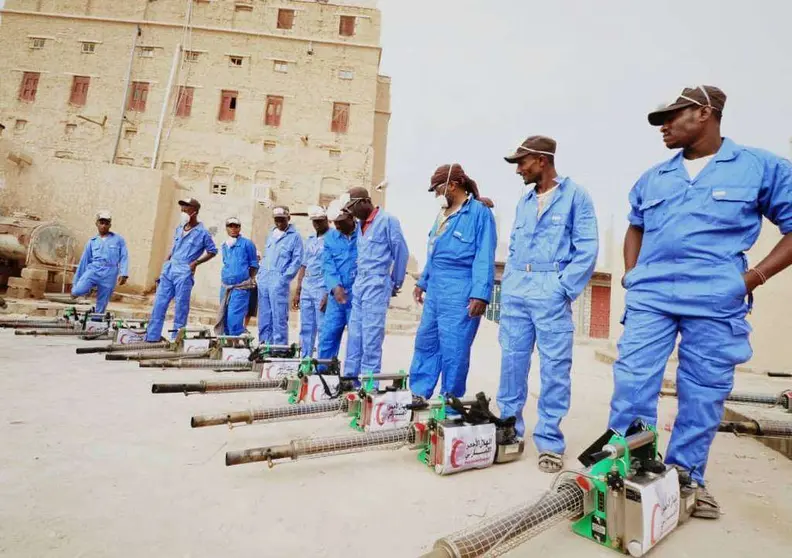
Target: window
(138, 95)
(184, 101)
(219, 189)
(285, 19)
(346, 74)
(147, 52)
(243, 6)
(235, 61)
(88, 48)
(346, 27)
(335, 153)
(37, 43)
(130, 133)
(69, 130)
(228, 104)
(191, 55)
(281, 66)
(269, 146)
(272, 115)
(340, 122)
(79, 90)
(29, 86)
(20, 125)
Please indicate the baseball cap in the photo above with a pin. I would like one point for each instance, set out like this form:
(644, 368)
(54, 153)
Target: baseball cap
(104, 214)
(233, 221)
(533, 145)
(280, 211)
(190, 202)
(702, 96)
(315, 212)
(336, 211)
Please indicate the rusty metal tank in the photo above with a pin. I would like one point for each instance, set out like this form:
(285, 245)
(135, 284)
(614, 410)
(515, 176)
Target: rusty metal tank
(27, 241)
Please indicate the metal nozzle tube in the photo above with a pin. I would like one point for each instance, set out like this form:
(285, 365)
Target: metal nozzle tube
(269, 454)
(221, 420)
(776, 428)
(272, 414)
(178, 388)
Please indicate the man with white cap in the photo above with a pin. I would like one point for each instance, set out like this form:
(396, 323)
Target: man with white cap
(312, 300)
(282, 260)
(239, 264)
(104, 261)
(192, 246)
(340, 269)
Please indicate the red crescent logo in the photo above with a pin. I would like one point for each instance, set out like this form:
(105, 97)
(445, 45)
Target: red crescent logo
(122, 338)
(454, 450)
(313, 394)
(378, 414)
(655, 509)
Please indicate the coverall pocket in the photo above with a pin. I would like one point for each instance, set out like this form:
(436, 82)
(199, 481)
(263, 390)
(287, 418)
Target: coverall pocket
(653, 213)
(727, 204)
(562, 326)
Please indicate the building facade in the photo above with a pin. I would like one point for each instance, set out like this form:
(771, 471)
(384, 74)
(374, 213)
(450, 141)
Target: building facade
(256, 102)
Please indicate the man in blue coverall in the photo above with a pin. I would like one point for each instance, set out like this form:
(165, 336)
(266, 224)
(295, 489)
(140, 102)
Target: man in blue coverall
(104, 261)
(282, 259)
(552, 254)
(192, 246)
(340, 269)
(312, 300)
(381, 267)
(692, 219)
(239, 264)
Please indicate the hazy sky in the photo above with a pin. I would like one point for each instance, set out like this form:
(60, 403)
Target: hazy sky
(473, 78)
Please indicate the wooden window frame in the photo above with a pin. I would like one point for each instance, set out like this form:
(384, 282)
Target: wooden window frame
(339, 122)
(79, 91)
(273, 118)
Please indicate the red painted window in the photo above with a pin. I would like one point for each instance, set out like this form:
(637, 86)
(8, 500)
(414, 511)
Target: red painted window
(79, 90)
(272, 115)
(184, 101)
(340, 122)
(138, 96)
(600, 312)
(285, 19)
(29, 86)
(346, 27)
(228, 104)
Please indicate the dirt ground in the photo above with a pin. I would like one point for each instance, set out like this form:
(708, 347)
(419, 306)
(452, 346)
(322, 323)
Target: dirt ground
(93, 465)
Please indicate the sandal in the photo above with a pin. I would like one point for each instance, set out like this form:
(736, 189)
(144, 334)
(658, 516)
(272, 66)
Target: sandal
(550, 462)
(706, 506)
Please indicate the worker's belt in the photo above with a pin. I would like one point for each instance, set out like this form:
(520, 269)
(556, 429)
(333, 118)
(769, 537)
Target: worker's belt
(361, 273)
(539, 267)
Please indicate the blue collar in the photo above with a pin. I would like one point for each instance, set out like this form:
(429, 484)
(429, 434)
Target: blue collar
(728, 152)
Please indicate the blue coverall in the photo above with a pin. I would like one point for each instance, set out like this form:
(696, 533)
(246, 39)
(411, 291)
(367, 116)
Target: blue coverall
(688, 281)
(381, 265)
(176, 280)
(237, 261)
(281, 262)
(102, 261)
(312, 292)
(340, 268)
(551, 259)
(460, 265)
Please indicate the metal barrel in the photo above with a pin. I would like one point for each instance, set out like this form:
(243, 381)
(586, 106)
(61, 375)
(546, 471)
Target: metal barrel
(178, 388)
(759, 428)
(118, 347)
(139, 355)
(272, 414)
(321, 447)
(500, 533)
(39, 324)
(207, 364)
(63, 332)
(738, 397)
(175, 355)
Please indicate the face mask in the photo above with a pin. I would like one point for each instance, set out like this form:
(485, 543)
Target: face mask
(231, 241)
(442, 202)
(184, 218)
(278, 234)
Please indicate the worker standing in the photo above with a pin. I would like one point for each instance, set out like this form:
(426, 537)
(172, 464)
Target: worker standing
(282, 259)
(339, 263)
(552, 254)
(104, 262)
(239, 265)
(192, 246)
(381, 267)
(312, 299)
(458, 278)
(692, 219)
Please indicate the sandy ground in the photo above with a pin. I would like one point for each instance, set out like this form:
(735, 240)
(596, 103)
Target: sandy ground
(93, 465)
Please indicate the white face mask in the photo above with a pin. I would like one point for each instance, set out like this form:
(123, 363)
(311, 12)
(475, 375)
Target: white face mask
(184, 218)
(277, 233)
(441, 201)
(231, 241)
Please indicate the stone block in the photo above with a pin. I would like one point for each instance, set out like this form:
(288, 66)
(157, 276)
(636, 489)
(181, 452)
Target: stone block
(35, 274)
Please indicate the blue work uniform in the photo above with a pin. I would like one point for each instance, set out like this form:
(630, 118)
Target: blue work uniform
(176, 280)
(460, 266)
(102, 261)
(551, 260)
(339, 262)
(312, 292)
(381, 266)
(281, 262)
(688, 281)
(238, 259)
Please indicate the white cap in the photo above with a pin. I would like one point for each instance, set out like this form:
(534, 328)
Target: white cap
(344, 199)
(334, 210)
(104, 214)
(316, 212)
(280, 212)
(233, 221)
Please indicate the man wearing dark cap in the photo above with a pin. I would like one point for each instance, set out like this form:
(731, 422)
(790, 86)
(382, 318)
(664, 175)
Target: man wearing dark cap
(692, 219)
(552, 254)
(192, 246)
